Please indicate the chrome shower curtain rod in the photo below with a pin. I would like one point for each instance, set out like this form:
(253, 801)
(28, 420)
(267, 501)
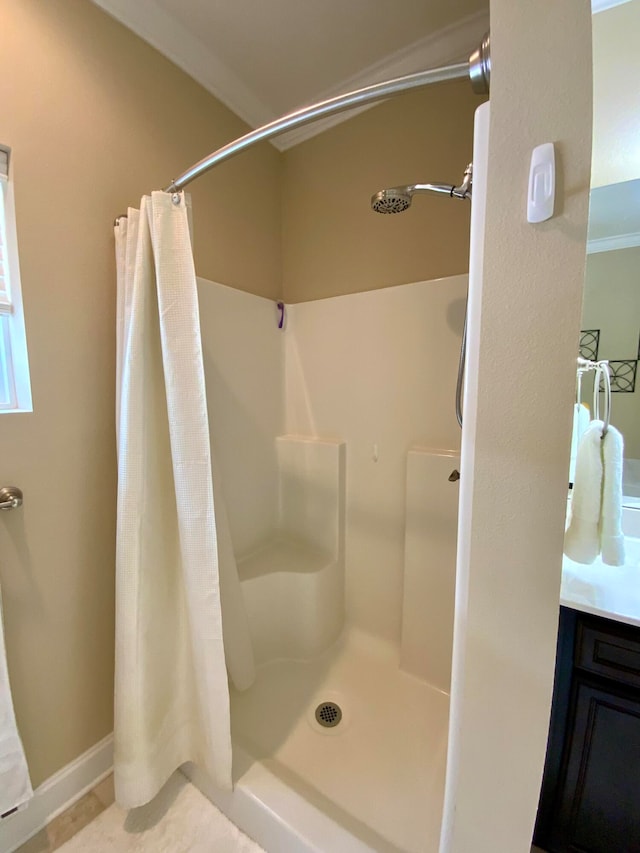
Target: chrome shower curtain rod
(306, 115)
(478, 69)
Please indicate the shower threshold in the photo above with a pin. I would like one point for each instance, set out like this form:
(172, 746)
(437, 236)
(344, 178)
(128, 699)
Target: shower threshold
(374, 781)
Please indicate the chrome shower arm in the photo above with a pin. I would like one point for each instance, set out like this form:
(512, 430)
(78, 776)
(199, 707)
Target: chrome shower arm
(463, 191)
(446, 189)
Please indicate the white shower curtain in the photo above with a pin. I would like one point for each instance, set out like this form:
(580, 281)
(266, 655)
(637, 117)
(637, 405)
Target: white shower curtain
(171, 690)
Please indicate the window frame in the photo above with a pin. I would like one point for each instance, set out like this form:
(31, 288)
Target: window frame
(13, 338)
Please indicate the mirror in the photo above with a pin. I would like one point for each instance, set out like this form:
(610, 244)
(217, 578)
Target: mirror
(611, 307)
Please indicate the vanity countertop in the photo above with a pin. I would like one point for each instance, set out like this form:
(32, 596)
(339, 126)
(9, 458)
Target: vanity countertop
(609, 591)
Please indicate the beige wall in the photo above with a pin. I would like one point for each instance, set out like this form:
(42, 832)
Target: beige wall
(616, 94)
(522, 341)
(612, 304)
(334, 243)
(96, 118)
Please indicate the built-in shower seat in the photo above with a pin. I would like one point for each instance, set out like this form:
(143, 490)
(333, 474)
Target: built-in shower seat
(293, 583)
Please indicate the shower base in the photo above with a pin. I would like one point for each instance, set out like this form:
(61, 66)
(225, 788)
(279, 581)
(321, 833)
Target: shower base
(373, 782)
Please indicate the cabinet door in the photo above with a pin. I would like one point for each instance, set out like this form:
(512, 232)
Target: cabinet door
(598, 805)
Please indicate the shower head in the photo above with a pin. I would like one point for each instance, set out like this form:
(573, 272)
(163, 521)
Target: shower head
(394, 200)
(398, 199)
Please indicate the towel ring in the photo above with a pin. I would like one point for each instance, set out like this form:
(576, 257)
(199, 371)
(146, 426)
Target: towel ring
(595, 406)
(606, 376)
(602, 370)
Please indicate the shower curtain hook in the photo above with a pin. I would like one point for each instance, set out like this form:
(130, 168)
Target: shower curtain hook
(280, 307)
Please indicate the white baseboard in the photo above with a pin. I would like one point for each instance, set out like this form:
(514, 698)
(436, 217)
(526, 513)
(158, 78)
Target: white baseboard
(55, 795)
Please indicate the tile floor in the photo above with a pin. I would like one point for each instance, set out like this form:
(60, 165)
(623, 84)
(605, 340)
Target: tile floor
(179, 820)
(70, 822)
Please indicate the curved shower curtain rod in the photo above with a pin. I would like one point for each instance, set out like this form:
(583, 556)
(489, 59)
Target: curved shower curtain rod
(478, 69)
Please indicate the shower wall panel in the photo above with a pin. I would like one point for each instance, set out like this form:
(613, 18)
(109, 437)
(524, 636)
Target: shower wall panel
(243, 361)
(431, 526)
(378, 371)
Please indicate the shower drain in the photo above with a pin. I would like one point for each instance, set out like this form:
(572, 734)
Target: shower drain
(328, 714)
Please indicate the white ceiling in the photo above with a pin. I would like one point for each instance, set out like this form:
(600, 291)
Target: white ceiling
(263, 59)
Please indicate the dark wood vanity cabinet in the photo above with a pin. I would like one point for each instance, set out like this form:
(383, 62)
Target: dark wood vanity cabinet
(590, 796)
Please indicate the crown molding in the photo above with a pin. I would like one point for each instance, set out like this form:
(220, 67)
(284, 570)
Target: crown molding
(448, 44)
(610, 244)
(157, 27)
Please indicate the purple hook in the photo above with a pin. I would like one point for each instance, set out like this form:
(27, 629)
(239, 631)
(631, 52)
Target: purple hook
(281, 309)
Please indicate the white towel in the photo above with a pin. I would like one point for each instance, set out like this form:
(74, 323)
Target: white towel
(581, 417)
(611, 536)
(582, 537)
(15, 785)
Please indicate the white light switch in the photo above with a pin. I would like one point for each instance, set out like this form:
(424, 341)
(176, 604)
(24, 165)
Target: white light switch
(542, 183)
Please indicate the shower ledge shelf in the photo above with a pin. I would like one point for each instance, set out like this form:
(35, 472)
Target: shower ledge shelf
(294, 597)
(284, 555)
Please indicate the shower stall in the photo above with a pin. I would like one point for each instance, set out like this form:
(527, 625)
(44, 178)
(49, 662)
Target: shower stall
(339, 476)
(339, 468)
(343, 513)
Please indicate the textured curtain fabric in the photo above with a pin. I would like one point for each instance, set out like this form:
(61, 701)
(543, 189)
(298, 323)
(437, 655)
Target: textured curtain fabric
(15, 785)
(171, 690)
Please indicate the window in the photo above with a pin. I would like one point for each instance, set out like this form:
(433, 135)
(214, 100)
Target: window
(15, 388)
